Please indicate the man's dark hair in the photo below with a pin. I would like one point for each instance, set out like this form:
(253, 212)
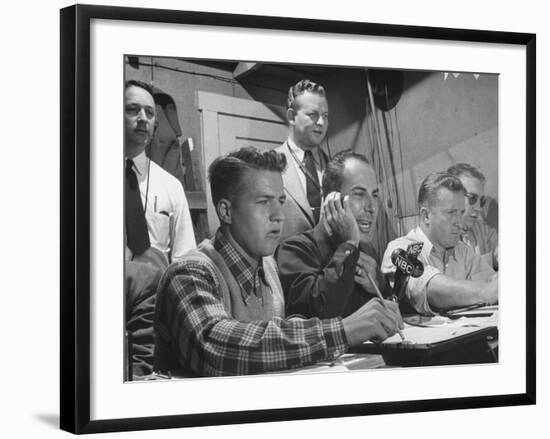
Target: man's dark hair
(300, 88)
(226, 172)
(334, 172)
(135, 83)
(466, 169)
(433, 183)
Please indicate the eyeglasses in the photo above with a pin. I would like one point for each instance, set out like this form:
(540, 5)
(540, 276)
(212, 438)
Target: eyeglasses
(135, 109)
(473, 198)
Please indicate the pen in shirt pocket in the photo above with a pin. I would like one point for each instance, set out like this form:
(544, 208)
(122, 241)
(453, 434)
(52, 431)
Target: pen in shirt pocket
(155, 205)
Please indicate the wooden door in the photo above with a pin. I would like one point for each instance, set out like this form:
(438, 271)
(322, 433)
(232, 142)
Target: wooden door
(228, 123)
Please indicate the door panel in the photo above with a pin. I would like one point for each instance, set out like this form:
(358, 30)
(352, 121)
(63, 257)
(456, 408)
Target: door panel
(239, 131)
(229, 123)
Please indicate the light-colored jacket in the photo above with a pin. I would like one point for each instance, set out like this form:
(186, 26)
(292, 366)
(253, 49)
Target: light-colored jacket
(298, 213)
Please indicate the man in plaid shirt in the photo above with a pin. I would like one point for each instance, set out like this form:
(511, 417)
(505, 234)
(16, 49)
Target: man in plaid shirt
(220, 310)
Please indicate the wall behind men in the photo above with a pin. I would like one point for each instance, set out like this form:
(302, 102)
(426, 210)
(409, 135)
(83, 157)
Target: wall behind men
(182, 78)
(440, 119)
(443, 119)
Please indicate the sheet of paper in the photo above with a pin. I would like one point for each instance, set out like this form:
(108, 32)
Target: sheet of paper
(438, 329)
(426, 335)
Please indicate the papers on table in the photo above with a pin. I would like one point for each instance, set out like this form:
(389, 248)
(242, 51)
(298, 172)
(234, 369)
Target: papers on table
(430, 330)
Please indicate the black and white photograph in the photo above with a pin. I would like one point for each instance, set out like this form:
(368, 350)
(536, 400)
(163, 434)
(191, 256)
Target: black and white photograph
(275, 220)
(294, 218)
(271, 219)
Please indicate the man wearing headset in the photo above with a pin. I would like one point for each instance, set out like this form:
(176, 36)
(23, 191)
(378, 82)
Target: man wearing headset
(307, 114)
(156, 211)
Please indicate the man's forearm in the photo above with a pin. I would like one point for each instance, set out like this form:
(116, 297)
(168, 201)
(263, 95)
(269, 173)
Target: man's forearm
(237, 348)
(444, 292)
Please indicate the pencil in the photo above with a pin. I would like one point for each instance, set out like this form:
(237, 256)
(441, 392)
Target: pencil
(379, 294)
(466, 308)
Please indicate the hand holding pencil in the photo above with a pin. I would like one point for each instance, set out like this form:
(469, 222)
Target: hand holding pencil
(379, 294)
(374, 321)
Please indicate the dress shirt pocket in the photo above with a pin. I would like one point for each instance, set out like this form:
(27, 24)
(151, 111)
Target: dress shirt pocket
(159, 229)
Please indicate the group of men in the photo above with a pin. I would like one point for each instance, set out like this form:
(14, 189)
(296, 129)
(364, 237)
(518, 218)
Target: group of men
(290, 277)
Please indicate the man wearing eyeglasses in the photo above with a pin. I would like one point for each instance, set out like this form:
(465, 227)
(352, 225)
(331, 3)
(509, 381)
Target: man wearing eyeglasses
(475, 231)
(454, 275)
(307, 114)
(158, 222)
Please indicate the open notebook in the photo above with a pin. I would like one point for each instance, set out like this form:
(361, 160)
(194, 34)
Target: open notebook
(438, 329)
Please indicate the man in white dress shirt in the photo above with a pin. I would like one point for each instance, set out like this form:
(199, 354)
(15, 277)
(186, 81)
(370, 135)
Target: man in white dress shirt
(454, 275)
(163, 203)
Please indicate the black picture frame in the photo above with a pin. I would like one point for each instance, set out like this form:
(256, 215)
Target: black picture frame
(75, 216)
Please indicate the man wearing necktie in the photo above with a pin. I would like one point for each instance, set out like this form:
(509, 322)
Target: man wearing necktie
(157, 218)
(157, 223)
(307, 114)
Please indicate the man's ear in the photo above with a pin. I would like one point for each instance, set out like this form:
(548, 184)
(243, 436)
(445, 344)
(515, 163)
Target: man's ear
(290, 115)
(223, 210)
(425, 215)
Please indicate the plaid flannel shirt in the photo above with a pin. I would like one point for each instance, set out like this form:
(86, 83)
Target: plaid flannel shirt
(194, 333)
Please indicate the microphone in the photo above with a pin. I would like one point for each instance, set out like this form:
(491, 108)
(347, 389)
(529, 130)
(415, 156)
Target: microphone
(407, 264)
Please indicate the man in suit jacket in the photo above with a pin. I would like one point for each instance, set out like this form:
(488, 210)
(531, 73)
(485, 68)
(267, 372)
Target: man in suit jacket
(307, 114)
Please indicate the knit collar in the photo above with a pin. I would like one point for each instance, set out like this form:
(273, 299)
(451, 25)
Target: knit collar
(247, 274)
